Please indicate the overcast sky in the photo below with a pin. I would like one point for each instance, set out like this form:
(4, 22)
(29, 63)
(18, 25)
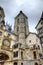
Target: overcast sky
(32, 9)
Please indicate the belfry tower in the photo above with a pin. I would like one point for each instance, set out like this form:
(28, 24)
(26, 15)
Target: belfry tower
(21, 27)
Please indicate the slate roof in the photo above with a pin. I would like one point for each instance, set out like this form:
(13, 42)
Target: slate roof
(21, 13)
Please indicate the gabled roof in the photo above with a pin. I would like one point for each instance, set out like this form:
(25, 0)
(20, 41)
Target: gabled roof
(21, 13)
(40, 20)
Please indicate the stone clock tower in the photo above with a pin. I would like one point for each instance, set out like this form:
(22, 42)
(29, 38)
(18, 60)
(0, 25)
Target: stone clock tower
(21, 27)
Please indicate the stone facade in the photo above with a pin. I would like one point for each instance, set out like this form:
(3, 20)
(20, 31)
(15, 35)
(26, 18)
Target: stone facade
(39, 28)
(18, 47)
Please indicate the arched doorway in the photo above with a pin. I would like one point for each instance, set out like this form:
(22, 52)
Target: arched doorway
(3, 57)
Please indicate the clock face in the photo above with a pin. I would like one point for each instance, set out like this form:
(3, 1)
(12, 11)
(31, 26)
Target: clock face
(6, 42)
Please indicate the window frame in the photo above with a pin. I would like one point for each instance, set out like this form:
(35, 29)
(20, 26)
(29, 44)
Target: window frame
(15, 54)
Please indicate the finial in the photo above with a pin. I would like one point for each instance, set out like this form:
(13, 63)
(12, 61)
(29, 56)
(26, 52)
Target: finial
(20, 11)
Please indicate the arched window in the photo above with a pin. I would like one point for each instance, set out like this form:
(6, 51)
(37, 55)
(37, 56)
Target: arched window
(36, 63)
(15, 63)
(21, 55)
(34, 54)
(15, 46)
(18, 20)
(17, 24)
(38, 47)
(21, 63)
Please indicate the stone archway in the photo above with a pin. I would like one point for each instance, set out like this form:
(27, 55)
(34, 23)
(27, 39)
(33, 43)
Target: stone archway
(3, 57)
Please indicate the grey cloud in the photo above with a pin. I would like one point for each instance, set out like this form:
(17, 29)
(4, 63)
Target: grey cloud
(32, 8)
